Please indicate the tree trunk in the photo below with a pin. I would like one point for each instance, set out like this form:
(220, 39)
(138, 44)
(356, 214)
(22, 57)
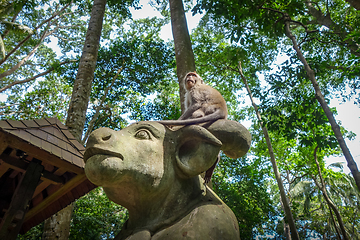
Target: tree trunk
(284, 200)
(82, 86)
(287, 231)
(184, 55)
(354, 3)
(338, 235)
(319, 96)
(59, 224)
(331, 205)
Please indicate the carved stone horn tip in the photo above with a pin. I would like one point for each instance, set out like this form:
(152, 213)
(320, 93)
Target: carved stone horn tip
(235, 137)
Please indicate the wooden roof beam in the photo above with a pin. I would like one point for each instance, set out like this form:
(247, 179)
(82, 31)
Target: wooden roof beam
(21, 165)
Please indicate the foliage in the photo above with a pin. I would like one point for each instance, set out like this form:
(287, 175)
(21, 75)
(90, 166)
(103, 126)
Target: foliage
(96, 217)
(49, 98)
(241, 184)
(34, 233)
(217, 60)
(166, 104)
(295, 113)
(325, 30)
(314, 213)
(143, 60)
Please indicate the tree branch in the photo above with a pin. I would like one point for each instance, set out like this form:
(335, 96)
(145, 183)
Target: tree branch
(326, 20)
(6, 32)
(19, 64)
(354, 3)
(2, 107)
(55, 14)
(34, 77)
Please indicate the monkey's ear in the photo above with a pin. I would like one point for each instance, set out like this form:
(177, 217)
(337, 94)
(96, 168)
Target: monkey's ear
(196, 150)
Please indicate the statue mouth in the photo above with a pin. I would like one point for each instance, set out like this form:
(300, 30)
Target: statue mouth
(92, 151)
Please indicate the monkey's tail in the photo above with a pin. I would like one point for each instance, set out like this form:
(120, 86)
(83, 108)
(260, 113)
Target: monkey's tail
(211, 117)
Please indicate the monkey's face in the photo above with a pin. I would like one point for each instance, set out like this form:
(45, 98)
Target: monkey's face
(191, 80)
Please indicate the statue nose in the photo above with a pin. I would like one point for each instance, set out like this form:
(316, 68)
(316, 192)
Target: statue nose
(100, 136)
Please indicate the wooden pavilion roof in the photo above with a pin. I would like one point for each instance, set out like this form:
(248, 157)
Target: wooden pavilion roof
(50, 143)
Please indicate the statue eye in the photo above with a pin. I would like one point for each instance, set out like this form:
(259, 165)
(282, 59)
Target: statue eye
(142, 134)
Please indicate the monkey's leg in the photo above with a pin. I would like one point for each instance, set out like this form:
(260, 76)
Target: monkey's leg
(210, 171)
(198, 114)
(189, 112)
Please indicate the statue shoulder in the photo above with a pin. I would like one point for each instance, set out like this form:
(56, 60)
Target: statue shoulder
(211, 219)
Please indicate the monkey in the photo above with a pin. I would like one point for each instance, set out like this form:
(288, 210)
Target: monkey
(202, 104)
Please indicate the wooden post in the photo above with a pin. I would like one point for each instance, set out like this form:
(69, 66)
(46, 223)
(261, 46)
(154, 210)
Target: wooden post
(14, 217)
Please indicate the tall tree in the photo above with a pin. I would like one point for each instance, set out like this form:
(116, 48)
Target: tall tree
(58, 226)
(284, 199)
(183, 49)
(321, 99)
(218, 53)
(82, 86)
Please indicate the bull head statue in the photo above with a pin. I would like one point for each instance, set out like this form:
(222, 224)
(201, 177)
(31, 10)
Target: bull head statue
(153, 171)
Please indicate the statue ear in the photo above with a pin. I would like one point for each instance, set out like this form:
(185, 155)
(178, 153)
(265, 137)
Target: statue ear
(196, 150)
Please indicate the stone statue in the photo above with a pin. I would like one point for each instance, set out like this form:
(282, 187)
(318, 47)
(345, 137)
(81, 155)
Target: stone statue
(153, 171)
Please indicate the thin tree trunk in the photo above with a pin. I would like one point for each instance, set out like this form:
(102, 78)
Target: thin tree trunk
(331, 205)
(353, 226)
(338, 235)
(287, 231)
(79, 101)
(98, 108)
(184, 55)
(284, 200)
(319, 96)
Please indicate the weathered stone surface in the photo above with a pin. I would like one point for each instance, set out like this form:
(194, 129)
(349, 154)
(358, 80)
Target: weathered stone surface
(236, 139)
(153, 171)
